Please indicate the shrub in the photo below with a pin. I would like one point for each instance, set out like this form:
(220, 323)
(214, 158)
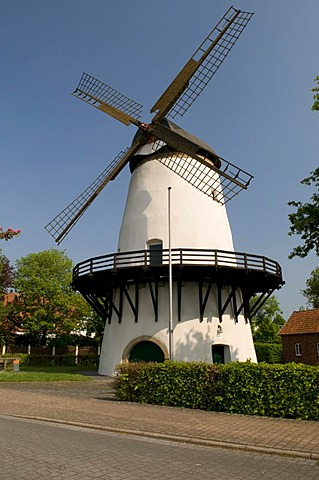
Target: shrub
(23, 357)
(181, 384)
(88, 360)
(73, 339)
(288, 390)
(269, 352)
(51, 360)
(67, 360)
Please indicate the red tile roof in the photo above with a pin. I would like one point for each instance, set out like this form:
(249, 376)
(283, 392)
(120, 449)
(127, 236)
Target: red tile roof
(303, 321)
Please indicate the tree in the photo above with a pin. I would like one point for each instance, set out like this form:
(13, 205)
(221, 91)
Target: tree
(305, 221)
(6, 279)
(267, 322)
(46, 300)
(10, 320)
(6, 274)
(8, 234)
(315, 105)
(6, 270)
(311, 291)
(95, 325)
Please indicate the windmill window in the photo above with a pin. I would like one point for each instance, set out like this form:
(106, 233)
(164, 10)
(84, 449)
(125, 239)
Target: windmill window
(298, 349)
(155, 252)
(218, 354)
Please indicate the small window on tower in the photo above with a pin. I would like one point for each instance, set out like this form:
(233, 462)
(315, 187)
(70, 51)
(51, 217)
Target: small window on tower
(155, 255)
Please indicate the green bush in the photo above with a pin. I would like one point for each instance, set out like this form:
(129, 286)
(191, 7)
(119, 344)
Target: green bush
(269, 352)
(88, 360)
(180, 384)
(73, 339)
(67, 360)
(51, 360)
(289, 391)
(23, 357)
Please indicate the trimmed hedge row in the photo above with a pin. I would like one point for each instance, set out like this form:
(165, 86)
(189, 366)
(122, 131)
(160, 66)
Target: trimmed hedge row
(67, 360)
(288, 391)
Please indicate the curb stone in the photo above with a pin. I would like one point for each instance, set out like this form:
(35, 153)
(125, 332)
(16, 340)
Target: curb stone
(177, 438)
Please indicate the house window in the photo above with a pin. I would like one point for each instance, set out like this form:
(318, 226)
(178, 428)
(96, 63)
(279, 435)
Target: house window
(318, 349)
(155, 249)
(298, 349)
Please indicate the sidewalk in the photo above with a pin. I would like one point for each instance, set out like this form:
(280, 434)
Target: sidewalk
(92, 404)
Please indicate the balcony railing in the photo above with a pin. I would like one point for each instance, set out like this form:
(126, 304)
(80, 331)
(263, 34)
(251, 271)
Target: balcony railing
(180, 257)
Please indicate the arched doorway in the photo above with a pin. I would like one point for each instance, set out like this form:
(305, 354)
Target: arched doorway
(146, 351)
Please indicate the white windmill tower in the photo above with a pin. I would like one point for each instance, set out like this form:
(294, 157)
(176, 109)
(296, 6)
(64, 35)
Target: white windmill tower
(175, 288)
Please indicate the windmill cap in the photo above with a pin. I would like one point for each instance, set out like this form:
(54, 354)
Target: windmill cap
(155, 147)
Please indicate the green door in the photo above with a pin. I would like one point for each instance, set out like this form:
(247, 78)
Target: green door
(218, 353)
(146, 352)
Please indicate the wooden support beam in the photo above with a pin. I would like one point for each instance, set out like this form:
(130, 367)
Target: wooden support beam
(137, 291)
(179, 298)
(133, 305)
(154, 296)
(203, 301)
(233, 289)
(219, 301)
(223, 308)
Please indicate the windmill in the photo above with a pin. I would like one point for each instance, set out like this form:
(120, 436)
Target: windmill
(132, 284)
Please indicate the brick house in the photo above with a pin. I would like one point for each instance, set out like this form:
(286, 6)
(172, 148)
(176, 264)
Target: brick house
(300, 337)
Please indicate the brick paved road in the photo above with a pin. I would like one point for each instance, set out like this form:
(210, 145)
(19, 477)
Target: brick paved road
(92, 403)
(35, 450)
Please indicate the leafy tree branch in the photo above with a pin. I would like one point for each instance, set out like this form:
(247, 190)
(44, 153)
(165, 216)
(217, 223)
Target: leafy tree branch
(315, 105)
(305, 221)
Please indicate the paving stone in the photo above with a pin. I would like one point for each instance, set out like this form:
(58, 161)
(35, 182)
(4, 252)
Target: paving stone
(93, 403)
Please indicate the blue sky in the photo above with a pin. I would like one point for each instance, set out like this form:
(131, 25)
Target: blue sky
(256, 113)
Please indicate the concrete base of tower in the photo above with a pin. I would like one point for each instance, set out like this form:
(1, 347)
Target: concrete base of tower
(207, 345)
(208, 340)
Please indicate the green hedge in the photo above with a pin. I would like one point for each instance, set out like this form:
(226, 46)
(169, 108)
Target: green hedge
(288, 391)
(179, 384)
(67, 360)
(269, 352)
(23, 357)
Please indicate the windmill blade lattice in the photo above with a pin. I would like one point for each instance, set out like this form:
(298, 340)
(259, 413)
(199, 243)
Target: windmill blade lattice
(220, 184)
(60, 226)
(105, 98)
(200, 69)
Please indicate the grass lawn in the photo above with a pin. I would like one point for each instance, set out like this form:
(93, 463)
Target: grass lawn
(44, 374)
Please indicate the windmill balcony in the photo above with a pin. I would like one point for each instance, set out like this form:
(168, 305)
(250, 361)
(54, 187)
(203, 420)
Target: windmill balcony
(97, 278)
(142, 259)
